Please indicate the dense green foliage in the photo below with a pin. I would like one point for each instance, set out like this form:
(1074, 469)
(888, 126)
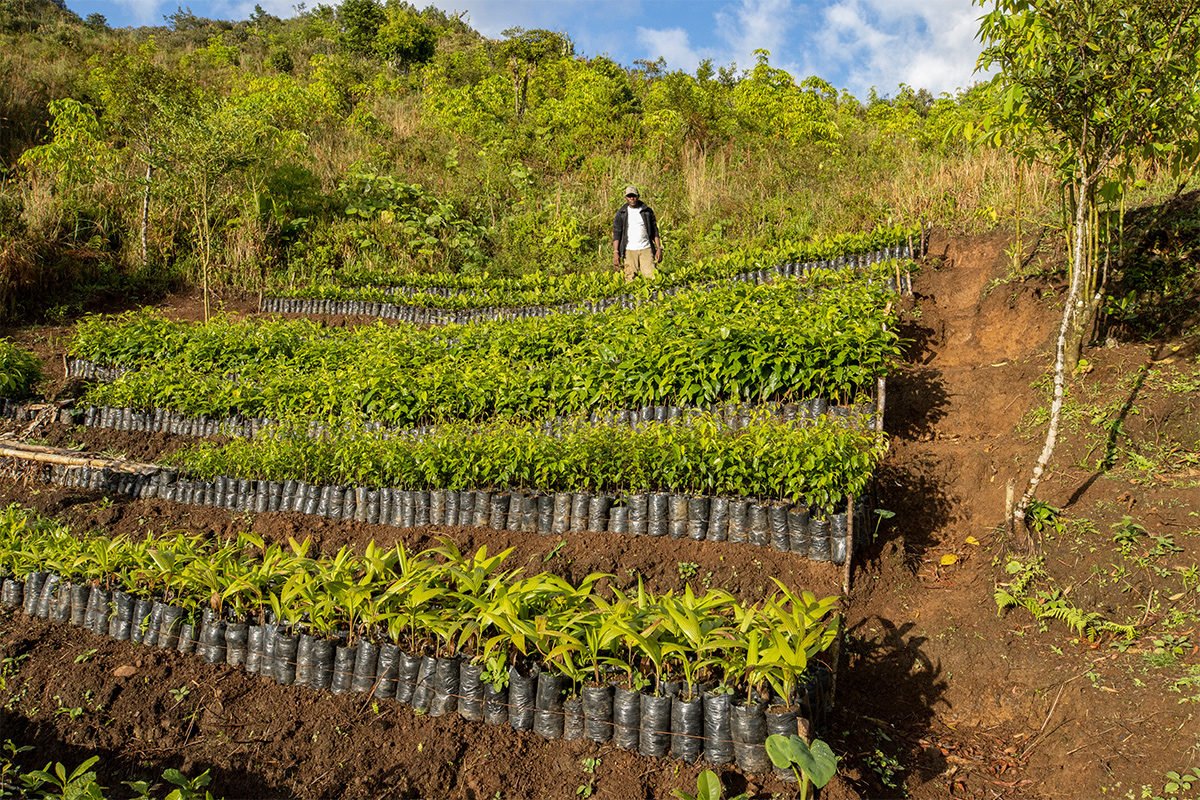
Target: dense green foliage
(1101, 91)
(826, 336)
(19, 370)
(818, 464)
(443, 601)
(390, 141)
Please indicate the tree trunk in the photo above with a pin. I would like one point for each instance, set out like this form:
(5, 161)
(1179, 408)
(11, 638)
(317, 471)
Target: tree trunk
(1073, 309)
(146, 217)
(522, 93)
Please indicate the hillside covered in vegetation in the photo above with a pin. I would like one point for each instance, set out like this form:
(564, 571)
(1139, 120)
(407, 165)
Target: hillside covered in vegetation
(373, 136)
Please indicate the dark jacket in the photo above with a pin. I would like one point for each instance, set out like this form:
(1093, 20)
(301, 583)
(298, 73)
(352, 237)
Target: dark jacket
(621, 227)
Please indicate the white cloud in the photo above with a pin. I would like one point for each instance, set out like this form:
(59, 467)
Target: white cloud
(754, 25)
(243, 10)
(856, 44)
(672, 44)
(145, 12)
(492, 17)
(739, 28)
(927, 44)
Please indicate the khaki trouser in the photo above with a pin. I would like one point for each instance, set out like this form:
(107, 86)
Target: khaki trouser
(639, 262)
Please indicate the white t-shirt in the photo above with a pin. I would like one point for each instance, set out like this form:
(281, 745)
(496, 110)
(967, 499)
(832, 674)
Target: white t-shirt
(637, 238)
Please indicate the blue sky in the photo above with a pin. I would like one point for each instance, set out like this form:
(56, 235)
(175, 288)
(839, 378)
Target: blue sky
(854, 44)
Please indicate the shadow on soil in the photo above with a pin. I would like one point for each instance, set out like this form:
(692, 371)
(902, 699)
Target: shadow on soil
(916, 402)
(913, 492)
(917, 399)
(1154, 289)
(888, 676)
(911, 486)
(116, 767)
(1112, 440)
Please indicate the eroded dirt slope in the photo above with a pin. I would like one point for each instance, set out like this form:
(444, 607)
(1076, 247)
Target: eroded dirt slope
(946, 698)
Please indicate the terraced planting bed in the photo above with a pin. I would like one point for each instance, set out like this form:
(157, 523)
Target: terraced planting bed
(443, 298)
(404, 514)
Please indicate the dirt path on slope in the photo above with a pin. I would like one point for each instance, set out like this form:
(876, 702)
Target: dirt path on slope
(929, 683)
(941, 696)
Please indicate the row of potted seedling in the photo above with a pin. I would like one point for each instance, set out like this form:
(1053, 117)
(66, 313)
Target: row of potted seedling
(679, 673)
(783, 526)
(366, 302)
(543, 287)
(735, 344)
(819, 464)
(159, 420)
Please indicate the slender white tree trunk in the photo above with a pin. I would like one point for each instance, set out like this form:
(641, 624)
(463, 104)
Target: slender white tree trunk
(205, 248)
(1071, 309)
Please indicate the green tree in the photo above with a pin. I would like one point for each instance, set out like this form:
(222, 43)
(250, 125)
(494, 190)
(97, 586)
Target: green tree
(405, 38)
(137, 96)
(77, 157)
(579, 105)
(525, 50)
(1094, 88)
(259, 18)
(701, 105)
(281, 60)
(218, 148)
(360, 21)
(770, 102)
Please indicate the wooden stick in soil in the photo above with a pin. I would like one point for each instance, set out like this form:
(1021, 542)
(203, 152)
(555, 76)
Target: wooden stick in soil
(880, 402)
(835, 652)
(68, 458)
(847, 568)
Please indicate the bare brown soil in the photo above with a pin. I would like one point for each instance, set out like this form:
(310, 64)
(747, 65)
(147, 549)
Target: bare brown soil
(938, 695)
(974, 704)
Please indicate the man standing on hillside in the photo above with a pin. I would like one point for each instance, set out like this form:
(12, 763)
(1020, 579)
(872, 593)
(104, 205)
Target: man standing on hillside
(635, 237)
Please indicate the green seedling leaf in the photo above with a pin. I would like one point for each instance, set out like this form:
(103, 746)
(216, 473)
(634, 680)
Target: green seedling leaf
(816, 762)
(779, 749)
(708, 786)
(824, 763)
